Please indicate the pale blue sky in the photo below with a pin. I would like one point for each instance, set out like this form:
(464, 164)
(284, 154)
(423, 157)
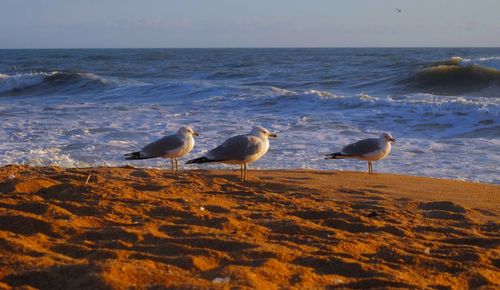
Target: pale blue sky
(247, 23)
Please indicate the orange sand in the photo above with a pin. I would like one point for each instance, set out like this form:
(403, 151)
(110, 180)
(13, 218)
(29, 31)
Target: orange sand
(281, 229)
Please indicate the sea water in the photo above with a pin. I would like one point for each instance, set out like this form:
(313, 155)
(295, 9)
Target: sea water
(76, 108)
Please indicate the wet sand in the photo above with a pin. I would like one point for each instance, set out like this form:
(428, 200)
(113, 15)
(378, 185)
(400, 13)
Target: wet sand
(144, 228)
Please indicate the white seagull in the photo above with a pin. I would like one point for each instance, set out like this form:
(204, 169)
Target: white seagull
(172, 146)
(240, 149)
(372, 149)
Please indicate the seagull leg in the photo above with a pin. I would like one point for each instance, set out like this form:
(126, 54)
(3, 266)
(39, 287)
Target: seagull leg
(172, 163)
(241, 172)
(244, 172)
(176, 165)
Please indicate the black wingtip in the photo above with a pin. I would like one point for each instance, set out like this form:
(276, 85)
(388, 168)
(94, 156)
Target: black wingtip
(199, 160)
(133, 156)
(337, 155)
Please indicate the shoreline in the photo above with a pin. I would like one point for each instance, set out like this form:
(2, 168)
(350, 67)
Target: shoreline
(233, 169)
(136, 227)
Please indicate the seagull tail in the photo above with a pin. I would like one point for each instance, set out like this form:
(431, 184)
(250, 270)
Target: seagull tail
(337, 155)
(135, 156)
(200, 160)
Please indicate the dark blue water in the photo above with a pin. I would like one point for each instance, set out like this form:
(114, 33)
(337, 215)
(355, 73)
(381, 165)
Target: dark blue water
(88, 107)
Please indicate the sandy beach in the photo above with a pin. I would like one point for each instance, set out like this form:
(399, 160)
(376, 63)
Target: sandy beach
(146, 228)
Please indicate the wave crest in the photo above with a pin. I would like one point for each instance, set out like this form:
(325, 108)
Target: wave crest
(455, 76)
(23, 81)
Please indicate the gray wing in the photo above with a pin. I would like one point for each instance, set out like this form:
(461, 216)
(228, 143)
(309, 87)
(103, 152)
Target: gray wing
(362, 147)
(160, 147)
(236, 148)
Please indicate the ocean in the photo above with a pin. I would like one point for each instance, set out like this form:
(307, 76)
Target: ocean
(80, 108)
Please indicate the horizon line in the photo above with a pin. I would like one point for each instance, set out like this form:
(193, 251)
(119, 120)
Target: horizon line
(243, 47)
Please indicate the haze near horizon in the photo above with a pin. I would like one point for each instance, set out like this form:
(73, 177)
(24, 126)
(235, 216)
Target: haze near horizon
(230, 23)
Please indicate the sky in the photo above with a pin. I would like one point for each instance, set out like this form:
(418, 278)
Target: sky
(248, 23)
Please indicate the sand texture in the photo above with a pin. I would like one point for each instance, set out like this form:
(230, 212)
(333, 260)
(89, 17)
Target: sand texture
(154, 229)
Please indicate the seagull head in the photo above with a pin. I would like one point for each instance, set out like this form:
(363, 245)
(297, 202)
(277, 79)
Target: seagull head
(187, 130)
(387, 137)
(261, 131)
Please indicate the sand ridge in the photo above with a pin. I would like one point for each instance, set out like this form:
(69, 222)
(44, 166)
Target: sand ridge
(146, 228)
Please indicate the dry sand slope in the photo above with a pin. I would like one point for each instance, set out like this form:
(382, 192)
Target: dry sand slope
(204, 229)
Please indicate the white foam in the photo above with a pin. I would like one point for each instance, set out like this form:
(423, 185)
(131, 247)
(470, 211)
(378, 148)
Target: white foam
(41, 157)
(458, 58)
(74, 134)
(24, 80)
(20, 81)
(490, 61)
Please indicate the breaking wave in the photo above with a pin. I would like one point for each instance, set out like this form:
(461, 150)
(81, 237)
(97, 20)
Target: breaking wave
(457, 76)
(45, 80)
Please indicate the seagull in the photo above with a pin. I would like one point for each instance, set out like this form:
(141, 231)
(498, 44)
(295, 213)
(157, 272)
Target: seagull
(240, 149)
(398, 10)
(372, 149)
(171, 146)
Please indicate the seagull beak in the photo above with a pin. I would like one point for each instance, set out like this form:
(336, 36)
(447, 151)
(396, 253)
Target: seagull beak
(196, 134)
(273, 135)
(392, 140)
